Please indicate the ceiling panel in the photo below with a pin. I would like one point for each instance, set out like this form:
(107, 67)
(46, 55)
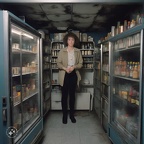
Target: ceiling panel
(27, 8)
(83, 18)
(80, 16)
(37, 17)
(83, 25)
(86, 8)
(59, 17)
(56, 8)
(60, 24)
(99, 18)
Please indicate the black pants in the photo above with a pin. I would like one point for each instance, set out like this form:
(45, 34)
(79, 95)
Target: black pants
(69, 88)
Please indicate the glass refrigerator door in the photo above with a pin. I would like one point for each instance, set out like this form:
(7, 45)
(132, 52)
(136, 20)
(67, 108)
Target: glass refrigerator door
(126, 87)
(97, 81)
(24, 80)
(105, 70)
(105, 84)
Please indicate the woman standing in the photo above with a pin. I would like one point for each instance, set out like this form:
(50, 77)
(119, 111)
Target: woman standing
(69, 62)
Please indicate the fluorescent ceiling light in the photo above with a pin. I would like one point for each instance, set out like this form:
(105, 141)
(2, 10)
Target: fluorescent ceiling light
(27, 35)
(20, 33)
(16, 32)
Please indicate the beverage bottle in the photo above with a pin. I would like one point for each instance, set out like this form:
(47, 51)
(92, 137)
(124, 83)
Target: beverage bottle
(115, 67)
(120, 90)
(135, 71)
(124, 67)
(132, 24)
(128, 69)
(130, 93)
(131, 70)
(120, 66)
(133, 97)
(128, 24)
(138, 69)
(125, 25)
(137, 19)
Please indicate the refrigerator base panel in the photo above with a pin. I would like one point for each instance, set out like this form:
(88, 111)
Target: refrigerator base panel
(114, 136)
(35, 132)
(119, 138)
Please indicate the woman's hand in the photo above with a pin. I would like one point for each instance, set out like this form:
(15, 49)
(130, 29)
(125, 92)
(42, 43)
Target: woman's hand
(67, 70)
(71, 69)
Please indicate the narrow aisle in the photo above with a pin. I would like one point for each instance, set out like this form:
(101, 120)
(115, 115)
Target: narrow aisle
(87, 129)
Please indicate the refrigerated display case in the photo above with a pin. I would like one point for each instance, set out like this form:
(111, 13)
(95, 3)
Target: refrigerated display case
(97, 80)
(20, 96)
(126, 101)
(46, 74)
(105, 83)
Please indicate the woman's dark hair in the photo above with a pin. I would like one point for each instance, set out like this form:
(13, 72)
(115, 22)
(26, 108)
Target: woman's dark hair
(70, 34)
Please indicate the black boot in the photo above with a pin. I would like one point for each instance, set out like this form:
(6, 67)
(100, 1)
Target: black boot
(64, 119)
(73, 120)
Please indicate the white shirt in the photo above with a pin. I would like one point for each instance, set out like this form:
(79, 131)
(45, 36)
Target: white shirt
(71, 58)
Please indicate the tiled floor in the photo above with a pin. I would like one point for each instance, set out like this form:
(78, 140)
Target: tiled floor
(87, 129)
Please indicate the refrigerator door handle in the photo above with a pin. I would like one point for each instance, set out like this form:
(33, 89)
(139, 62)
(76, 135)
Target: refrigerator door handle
(4, 112)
